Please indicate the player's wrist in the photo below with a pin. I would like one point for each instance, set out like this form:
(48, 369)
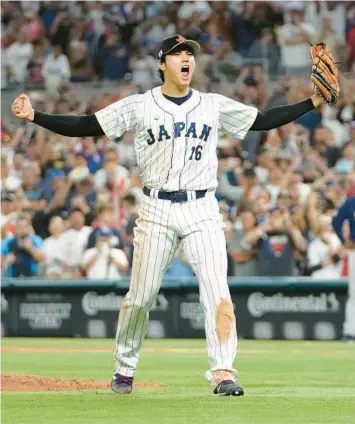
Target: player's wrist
(317, 100)
(31, 116)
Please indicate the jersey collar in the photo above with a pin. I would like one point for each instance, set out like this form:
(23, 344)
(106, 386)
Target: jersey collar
(172, 107)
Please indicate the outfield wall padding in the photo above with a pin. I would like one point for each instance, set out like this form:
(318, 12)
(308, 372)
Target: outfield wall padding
(266, 308)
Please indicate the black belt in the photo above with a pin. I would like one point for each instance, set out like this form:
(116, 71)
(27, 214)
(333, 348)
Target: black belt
(175, 196)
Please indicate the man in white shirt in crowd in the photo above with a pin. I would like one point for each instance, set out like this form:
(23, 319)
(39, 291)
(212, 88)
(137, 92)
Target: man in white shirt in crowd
(8, 182)
(54, 266)
(323, 251)
(112, 173)
(144, 69)
(294, 39)
(74, 242)
(104, 261)
(56, 69)
(16, 58)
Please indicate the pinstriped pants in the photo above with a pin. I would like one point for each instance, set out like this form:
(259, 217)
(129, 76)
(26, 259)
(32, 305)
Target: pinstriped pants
(161, 227)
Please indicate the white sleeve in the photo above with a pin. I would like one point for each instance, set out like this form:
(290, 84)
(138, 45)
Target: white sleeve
(120, 117)
(235, 118)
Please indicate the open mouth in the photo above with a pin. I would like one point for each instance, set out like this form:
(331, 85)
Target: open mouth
(185, 71)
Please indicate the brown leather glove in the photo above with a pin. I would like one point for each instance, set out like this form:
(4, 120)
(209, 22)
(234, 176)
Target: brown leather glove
(325, 75)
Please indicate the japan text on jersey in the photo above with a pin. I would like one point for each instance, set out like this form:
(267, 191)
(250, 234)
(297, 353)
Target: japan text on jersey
(180, 130)
(176, 144)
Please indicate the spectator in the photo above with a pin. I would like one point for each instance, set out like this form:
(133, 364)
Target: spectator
(60, 28)
(188, 8)
(74, 241)
(33, 26)
(276, 241)
(266, 48)
(227, 62)
(105, 218)
(82, 196)
(18, 164)
(263, 163)
(54, 266)
(144, 69)
(22, 252)
(116, 54)
(347, 162)
(80, 67)
(278, 180)
(80, 170)
(8, 213)
(8, 181)
(112, 174)
(328, 14)
(103, 260)
(162, 29)
(323, 251)
(32, 184)
(17, 57)
(294, 41)
(56, 69)
(244, 260)
(227, 187)
(326, 147)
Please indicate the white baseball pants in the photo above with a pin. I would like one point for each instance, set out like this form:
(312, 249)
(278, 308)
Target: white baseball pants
(161, 227)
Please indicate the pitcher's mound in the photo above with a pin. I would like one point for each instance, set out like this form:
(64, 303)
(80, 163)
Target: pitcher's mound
(35, 383)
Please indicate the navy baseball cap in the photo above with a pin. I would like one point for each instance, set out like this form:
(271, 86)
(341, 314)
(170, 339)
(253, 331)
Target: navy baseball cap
(104, 232)
(169, 44)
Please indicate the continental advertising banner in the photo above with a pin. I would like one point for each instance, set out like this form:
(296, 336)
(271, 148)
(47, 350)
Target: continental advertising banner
(314, 312)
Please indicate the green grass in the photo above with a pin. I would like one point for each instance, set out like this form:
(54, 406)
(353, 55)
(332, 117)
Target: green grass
(285, 382)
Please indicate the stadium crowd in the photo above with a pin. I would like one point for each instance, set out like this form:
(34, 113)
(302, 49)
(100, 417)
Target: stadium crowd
(69, 205)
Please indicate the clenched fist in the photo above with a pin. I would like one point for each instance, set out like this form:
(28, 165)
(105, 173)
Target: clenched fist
(22, 108)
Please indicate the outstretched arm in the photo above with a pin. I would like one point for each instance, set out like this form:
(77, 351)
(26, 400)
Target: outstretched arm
(278, 116)
(67, 125)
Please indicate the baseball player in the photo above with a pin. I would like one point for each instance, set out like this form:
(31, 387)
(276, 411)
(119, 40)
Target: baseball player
(175, 135)
(346, 213)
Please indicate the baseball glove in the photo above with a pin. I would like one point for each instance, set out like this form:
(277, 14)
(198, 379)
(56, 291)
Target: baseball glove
(325, 75)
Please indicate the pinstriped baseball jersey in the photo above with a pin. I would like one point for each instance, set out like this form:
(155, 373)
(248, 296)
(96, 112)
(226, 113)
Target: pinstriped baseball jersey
(176, 144)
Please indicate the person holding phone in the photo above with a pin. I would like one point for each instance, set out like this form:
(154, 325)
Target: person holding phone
(22, 252)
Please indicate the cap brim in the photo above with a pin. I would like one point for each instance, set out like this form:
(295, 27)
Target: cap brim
(191, 43)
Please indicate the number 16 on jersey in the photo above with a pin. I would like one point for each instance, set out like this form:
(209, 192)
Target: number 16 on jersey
(196, 152)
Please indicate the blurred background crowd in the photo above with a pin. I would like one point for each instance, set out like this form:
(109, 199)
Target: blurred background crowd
(69, 205)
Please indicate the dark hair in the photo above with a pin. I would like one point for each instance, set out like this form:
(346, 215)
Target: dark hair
(73, 210)
(160, 72)
(130, 198)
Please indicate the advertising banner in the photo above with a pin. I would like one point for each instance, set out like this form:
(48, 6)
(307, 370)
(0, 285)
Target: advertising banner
(263, 312)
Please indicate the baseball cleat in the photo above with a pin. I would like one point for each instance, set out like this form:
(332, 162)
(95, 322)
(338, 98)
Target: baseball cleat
(121, 384)
(228, 388)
